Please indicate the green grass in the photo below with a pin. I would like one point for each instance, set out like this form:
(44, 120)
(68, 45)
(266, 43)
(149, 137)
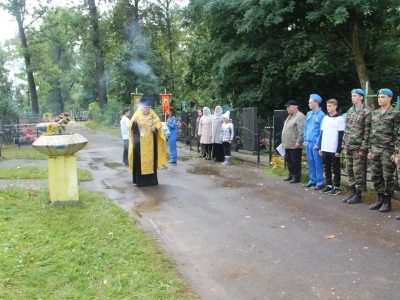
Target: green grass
(91, 250)
(24, 152)
(281, 172)
(22, 172)
(96, 126)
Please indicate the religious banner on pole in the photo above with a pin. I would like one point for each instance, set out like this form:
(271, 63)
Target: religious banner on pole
(135, 101)
(165, 100)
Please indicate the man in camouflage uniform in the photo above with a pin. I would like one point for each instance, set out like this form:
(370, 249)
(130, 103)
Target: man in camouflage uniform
(383, 141)
(355, 144)
(397, 162)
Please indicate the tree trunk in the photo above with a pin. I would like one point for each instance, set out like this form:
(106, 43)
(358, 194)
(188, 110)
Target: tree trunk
(359, 61)
(170, 46)
(59, 98)
(58, 85)
(101, 81)
(170, 50)
(27, 58)
(137, 11)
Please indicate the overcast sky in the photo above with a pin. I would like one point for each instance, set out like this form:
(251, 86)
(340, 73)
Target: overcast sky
(8, 26)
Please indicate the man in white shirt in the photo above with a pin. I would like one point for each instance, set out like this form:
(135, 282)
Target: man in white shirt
(124, 122)
(330, 143)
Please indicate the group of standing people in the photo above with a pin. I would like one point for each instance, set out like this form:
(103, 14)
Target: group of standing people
(365, 134)
(145, 140)
(215, 133)
(145, 143)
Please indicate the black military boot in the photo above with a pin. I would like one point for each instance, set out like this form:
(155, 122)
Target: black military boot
(377, 204)
(356, 198)
(387, 204)
(352, 193)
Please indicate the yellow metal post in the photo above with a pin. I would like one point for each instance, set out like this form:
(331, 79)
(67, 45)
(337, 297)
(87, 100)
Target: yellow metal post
(63, 179)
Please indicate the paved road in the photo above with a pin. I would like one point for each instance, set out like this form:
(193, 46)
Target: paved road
(237, 234)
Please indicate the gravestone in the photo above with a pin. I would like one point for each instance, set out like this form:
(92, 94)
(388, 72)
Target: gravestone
(184, 118)
(195, 114)
(185, 123)
(279, 120)
(233, 117)
(249, 132)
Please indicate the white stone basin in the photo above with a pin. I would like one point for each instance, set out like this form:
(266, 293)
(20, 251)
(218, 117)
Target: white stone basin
(42, 126)
(56, 145)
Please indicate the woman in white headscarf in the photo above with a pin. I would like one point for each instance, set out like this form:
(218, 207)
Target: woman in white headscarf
(205, 131)
(218, 151)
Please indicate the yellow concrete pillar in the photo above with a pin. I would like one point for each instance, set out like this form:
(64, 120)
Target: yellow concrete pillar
(63, 179)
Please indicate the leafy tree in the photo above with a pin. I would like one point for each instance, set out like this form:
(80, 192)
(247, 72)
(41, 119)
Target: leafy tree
(197, 76)
(130, 59)
(98, 52)
(7, 105)
(19, 10)
(161, 22)
(55, 58)
(262, 53)
(362, 25)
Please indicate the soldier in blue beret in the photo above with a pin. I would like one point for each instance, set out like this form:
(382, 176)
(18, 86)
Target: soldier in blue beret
(383, 141)
(312, 130)
(355, 144)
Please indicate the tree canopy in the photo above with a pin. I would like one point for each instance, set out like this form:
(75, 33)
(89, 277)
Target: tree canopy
(238, 52)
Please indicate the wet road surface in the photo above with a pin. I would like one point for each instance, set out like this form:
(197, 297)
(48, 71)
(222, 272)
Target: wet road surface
(238, 234)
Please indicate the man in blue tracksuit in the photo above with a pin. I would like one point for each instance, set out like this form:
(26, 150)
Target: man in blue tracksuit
(312, 129)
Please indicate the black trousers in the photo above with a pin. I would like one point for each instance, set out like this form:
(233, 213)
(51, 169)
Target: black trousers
(293, 162)
(227, 148)
(331, 165)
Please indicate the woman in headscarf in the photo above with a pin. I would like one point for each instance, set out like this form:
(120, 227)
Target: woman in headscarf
(218, 150)
(205, 131)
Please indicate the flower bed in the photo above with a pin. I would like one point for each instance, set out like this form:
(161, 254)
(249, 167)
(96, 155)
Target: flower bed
(27, 136)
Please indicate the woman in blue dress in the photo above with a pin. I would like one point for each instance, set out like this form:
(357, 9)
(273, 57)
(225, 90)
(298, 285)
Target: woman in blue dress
(173, 129)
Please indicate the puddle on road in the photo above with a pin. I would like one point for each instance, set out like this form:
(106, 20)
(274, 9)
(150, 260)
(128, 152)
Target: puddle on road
(203, 170)
(232, 183)
(184, 158)
(94, 165)
(112, 165)
(150, 204)
(154, 197)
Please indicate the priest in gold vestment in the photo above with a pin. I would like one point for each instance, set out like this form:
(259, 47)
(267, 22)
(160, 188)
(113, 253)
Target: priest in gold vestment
(146, 145)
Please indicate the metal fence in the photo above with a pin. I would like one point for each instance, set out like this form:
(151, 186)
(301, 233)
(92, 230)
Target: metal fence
(259, 141)
(18, 134)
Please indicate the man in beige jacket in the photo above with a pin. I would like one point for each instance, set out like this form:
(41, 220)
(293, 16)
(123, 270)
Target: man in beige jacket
(292, 140)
